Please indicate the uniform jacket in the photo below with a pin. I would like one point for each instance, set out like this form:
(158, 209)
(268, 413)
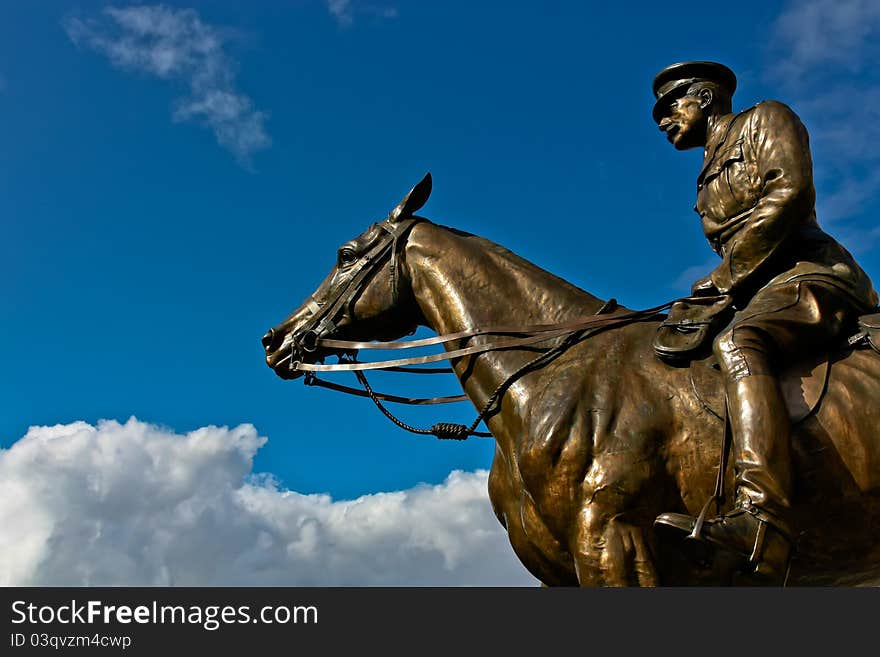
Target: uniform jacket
(756, 200)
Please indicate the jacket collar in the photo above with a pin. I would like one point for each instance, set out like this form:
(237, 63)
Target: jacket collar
(716, 138)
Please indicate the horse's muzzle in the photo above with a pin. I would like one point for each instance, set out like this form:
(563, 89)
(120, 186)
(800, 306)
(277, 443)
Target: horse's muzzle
(286, 350)
(282, 354)
(284, 362)
(268, 340)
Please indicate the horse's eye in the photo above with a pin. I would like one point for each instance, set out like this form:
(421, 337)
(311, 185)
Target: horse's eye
(346, 256)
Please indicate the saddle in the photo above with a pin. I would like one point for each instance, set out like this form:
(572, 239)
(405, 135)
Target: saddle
(803, 386)
(803, 383)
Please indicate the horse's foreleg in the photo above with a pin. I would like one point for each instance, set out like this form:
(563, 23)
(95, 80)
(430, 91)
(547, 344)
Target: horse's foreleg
(609, 548)
(614, 553)
(626, 558)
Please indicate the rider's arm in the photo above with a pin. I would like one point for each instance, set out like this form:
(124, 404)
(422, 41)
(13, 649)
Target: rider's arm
(781, 153)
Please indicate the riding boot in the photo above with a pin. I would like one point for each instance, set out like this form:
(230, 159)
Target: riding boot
(757, 529)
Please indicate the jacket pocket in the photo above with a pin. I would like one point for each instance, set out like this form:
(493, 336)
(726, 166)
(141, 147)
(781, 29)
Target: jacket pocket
(724, 159)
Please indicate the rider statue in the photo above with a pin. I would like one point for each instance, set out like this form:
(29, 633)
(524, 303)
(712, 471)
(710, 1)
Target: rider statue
(795, 290)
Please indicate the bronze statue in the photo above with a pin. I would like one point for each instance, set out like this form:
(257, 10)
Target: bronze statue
(601, 447)
(795, 289)
(591, 447)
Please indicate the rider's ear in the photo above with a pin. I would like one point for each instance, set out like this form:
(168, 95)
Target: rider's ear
(706, 97)
(416, 198)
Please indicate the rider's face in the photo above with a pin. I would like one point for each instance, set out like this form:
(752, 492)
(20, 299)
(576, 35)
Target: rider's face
(686, 122)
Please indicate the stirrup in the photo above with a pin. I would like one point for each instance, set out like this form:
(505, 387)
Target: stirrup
(692, 526)
(696, 532)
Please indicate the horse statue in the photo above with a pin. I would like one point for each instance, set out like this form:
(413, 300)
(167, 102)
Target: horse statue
(596, 442)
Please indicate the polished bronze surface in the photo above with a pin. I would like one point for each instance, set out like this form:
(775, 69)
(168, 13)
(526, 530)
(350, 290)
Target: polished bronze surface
(595, 444)
(796, 290)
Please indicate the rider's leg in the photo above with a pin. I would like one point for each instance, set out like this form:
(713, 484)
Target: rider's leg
(760, 426)
(779, 324)
(757, 529)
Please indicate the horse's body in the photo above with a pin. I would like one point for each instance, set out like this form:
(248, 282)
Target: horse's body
(593, 446)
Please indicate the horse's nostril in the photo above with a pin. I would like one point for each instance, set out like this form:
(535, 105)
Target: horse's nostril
(268, 339)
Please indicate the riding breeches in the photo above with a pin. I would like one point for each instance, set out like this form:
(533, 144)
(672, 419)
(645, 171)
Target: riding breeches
(780, 325)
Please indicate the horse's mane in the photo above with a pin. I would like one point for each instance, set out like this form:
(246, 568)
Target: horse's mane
(488, 248)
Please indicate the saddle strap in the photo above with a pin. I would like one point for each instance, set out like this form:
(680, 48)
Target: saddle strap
(717, 497)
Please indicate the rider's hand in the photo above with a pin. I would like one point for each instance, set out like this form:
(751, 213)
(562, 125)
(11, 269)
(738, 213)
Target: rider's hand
(704, 287)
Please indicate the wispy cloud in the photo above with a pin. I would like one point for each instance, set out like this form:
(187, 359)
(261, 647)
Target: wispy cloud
(849, 197)
(176, 45)
(822, 57)
(690, 275)
(344, 11)
(136, 504)
(341, 11)
(818, 33)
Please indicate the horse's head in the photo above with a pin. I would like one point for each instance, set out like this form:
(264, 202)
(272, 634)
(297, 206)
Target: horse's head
(364, 297)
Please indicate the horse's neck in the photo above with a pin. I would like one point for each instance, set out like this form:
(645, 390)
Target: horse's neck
(462, 281)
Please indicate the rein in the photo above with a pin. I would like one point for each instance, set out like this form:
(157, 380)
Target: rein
(573, 332)
(527, 335)
(326, 317)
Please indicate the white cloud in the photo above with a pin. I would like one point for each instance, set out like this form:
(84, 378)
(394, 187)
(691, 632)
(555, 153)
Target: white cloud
(176, 45)
(137, 504)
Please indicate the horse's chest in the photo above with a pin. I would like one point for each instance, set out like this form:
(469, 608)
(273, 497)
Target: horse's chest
(533, 534)
(543, 465)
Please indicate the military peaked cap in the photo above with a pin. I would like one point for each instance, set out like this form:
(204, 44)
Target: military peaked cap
(673, 81)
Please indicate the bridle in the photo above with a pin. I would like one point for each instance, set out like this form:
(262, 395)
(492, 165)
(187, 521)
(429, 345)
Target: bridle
(326, 318)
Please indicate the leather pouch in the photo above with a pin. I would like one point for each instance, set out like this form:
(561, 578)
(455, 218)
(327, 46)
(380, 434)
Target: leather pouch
(869, 331)
(688, 330)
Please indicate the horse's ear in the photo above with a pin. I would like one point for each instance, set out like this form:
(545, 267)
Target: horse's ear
(416, 198)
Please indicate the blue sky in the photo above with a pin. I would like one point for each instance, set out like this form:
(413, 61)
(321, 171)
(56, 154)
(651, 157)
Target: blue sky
(156, 221)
